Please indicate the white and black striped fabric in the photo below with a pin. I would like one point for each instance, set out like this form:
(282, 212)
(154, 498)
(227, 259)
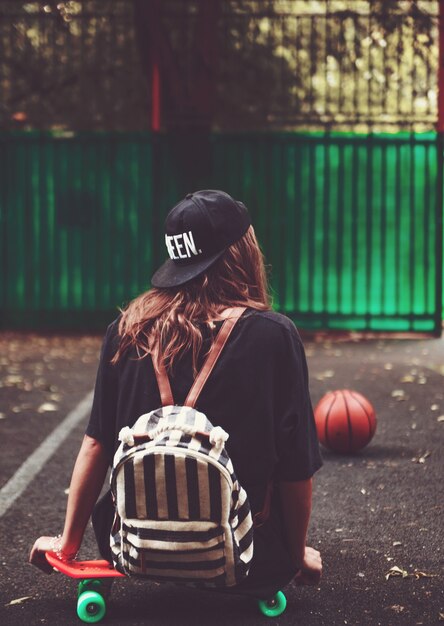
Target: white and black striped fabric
(181, 514)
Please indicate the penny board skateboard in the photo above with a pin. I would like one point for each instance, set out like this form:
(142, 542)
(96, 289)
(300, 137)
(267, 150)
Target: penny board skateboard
(91, 602)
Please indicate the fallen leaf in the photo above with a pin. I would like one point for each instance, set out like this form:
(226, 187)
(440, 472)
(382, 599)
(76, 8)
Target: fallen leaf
(422, 380)
(388, 366)
(323, 375)
(2, 416)
(21, 407)
(398, 394)
(440, 418)
(441, 617)
(18, 600)
(417, 575)
(422, 458)
(397, 608)
(391, 464)
(408, 379)
(39, 383)
(434, 407)
(395, 572)
(46, 407)
(12, 380)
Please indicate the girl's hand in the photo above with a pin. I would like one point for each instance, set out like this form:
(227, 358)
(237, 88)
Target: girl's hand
(311, 569)
(37, 555)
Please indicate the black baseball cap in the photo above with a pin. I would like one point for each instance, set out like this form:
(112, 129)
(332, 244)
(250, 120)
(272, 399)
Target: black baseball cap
(198, 230)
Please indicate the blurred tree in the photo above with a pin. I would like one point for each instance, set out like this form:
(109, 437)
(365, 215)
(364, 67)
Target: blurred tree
(70, 65)
(226, 64)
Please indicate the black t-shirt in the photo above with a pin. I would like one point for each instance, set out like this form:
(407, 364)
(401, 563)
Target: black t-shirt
(258, 392)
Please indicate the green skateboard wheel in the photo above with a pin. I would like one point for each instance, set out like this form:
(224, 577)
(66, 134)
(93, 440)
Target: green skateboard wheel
(273, 607)
(91, 607)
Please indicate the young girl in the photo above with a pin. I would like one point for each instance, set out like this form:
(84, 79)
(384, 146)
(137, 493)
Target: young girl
(257, 392)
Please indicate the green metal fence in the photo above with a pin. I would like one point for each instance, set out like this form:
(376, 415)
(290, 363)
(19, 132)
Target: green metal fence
(350, 224)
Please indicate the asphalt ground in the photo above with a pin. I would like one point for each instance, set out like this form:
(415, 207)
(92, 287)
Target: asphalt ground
(375, 512)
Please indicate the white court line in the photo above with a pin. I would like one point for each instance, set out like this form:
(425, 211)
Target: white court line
(17, 484)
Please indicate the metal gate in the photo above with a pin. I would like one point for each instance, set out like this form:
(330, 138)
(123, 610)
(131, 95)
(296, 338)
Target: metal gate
(344, 177)
(349, 224)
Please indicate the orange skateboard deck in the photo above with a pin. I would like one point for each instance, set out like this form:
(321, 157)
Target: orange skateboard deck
(83, 569)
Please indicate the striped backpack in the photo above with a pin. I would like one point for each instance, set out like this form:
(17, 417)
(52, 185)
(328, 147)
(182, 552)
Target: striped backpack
(181, 514)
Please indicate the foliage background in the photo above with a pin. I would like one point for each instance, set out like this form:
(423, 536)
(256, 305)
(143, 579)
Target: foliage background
(280, 64)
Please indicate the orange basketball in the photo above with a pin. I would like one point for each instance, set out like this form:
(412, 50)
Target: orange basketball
(345, 421)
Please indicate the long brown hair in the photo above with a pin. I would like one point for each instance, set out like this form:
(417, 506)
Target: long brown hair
(169, 320)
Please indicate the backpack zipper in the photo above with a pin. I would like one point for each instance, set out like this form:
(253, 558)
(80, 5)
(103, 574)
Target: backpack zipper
(194, 453)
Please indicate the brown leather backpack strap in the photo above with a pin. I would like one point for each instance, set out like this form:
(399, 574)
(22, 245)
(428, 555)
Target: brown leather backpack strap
(262, 516)
(163, 382)
(213, 355)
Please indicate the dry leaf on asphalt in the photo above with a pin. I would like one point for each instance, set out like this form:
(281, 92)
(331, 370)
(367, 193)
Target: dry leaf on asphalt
(395, 572)
(422, 458)
(46, 407)
(18, 600)
(408, 379)
(323, 375)
(398, 394)
(397, 608)
(417, 575)
(398, 572)
(12, 380)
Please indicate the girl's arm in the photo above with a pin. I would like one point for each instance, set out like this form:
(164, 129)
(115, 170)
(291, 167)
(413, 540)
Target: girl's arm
(296, 508)
(87, 480)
